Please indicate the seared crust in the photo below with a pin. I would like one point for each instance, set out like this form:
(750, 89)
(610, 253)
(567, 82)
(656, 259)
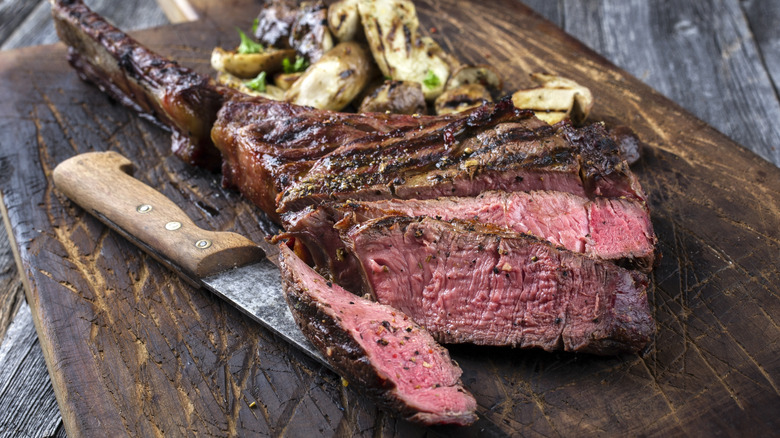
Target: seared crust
(266, 145)
(493, 147)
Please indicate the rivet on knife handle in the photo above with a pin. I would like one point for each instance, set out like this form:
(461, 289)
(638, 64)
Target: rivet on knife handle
(100, 183)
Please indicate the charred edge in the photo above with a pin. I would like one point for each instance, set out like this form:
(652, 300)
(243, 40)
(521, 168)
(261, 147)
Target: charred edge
(179, 98)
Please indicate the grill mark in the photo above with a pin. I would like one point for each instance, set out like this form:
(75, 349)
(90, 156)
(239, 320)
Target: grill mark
(407, 39)
(358, 169)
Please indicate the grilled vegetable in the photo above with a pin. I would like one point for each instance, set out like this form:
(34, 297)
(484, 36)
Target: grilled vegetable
(397, 97)
(275, 21)
(333, 81)
(391, 28)
(461, 98)
(344, 20)
(286, 80)
(254, 87)
(556, 99)
(309, 34)
(484, 75)
(248, 65)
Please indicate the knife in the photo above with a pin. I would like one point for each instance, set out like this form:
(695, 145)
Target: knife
(226, 263)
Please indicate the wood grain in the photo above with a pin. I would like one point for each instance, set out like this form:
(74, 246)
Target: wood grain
(27, 401)
(158, 357)
(23, 372)
(11, 293)
(719, 76)
(37, 27)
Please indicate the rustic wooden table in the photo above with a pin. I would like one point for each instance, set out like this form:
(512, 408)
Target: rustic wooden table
(720, 60)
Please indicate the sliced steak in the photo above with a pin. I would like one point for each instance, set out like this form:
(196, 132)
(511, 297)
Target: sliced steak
(285, 158)
(478, 284)
(608, 228)
(493, 147)
(378, 348)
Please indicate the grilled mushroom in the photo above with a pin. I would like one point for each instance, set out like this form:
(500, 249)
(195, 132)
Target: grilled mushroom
(344, 20)
(461, 98)
(249, 65)
(267, 91)
(275, 21)
(309, 34)
(333, 81)
(304, 27)
(556, 99)
(485, 75)
(391, 28)
(397, 97)
(286, 80)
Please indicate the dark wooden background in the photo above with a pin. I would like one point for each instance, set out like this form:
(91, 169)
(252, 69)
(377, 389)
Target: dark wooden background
(720, 60)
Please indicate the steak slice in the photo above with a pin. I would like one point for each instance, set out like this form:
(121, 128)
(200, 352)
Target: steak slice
(378, 348)
(607, 228)
(492, 147)
(471, 283)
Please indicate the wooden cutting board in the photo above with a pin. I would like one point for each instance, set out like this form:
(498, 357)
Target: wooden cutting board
(133, 350)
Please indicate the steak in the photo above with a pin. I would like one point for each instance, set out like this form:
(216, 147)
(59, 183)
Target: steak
(289, 159)
(466, 282)
(387, 204)
(391, 358)
(284, 157)
(607, 228)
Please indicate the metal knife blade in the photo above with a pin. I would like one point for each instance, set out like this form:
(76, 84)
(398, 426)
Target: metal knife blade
(256, 290)
(231, 266)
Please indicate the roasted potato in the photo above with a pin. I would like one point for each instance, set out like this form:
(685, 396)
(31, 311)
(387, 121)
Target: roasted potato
(333, 81)
(461, 98)
(248, 65)
(228, 80)
(344, 20)
(396, 97)
(391, 29)
(556, 99)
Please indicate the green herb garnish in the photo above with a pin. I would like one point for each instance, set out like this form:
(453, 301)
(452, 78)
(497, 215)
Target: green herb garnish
(431, 80)
(258, 83)
(300, 65)
(254, 25)
(248, 45)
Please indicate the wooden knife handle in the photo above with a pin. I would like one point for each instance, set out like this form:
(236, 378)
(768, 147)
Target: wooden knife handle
(101, 183)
